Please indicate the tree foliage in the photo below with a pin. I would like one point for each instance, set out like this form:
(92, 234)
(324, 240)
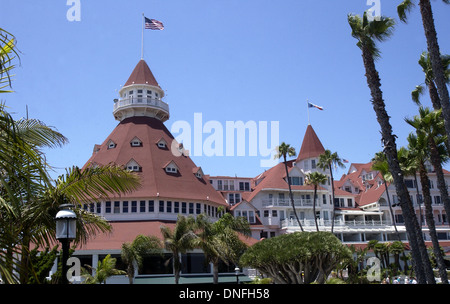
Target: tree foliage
(297, 258)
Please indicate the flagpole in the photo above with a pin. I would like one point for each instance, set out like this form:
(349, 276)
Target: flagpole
(142, 41)
(307, 107)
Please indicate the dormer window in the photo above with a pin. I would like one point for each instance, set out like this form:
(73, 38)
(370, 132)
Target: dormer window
(111, 144)
(162, 143)
(136, 142)
(171, 167)
(132, 165)
(198, 172)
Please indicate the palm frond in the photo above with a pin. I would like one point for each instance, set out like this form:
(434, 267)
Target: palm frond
(404, 8)
(93, 183)
(38, 134)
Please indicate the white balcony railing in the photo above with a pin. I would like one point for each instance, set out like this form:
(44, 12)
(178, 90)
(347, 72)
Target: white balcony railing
(141, 101)
(287, 202)
(337, 223)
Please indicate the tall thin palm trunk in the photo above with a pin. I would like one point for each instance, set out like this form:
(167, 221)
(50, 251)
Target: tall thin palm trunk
(419, 252)
(436, 162)
(424, 180)
(291, 197)
(314, 207)
(333, 212)
(435, 56)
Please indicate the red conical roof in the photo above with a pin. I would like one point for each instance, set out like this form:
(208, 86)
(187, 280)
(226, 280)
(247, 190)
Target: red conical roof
(311, 146)
(142, 75)
(156, 182)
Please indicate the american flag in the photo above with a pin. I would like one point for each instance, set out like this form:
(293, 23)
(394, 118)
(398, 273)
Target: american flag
(153, 24)
(311, 105)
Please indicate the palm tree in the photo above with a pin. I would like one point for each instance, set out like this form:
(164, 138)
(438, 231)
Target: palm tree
(179, 240)
(105, 269)
(285, 150)
(439, 73)
(8, 52)
(133, 253)
(397, 248)
(425, 125)
(315, 179)
(328, 160)
(380, 164)
(425, 63)
(419, 144)
(220, 241)
(430, 125)
(367, 33)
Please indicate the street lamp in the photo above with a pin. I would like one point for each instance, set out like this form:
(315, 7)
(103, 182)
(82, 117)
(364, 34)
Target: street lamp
(236, 271)
(66, 226)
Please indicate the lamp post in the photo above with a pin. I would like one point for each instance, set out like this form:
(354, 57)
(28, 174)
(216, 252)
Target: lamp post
(66, 227)
(236, 271)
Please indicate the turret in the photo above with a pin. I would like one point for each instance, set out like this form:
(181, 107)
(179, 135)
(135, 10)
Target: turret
(141, 96)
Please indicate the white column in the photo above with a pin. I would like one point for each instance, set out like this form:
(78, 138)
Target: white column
(94, 263)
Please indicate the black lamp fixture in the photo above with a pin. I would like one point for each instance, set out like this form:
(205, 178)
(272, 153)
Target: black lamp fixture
(66, 231)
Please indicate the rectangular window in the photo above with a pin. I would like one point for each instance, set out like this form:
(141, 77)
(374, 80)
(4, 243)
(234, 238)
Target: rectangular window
(241, 186)
(183, 207)
(295, 180)
(266, 213)
(219, 184)
(349, 202)
(198, 208)
(125, 207)
(231, 183)
(116, 207)
(231, 198)
(409, 183)
(99, 208)
(176, 207)
(251, 217)
(133, 206)
(324, 199)
(247, 186)
(274, 213)
(191, 208)
(151, 206)
(313, 164)
(161, 206)
(107, 207)
(142, 206)
(306, 165)
(237, 197)
(169, 206)
(437, 199)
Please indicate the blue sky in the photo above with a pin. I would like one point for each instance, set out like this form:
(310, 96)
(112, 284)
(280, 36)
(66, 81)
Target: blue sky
(249, 60)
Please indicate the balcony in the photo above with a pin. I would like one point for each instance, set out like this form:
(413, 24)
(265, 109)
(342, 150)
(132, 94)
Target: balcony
(141, 102)
(337, 223)
(274, 202)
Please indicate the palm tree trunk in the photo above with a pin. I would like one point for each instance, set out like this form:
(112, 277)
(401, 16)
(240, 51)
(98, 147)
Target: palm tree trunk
(290, 194)
(436, 162)
(436, 63)
(314, 208)
(216, 272)
(436, 102)
(391, 211)
(332, 198)
(431, 225)
(418, 200)
(419, 253)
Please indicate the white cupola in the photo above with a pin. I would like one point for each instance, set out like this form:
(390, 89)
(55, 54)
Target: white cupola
(141, 96)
